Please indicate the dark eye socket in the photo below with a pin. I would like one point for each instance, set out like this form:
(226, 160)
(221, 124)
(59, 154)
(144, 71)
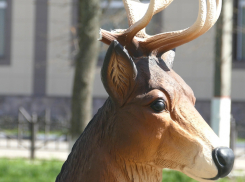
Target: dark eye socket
(158, 105)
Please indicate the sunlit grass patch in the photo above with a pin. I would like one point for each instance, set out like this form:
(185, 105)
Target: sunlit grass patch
(23, 170)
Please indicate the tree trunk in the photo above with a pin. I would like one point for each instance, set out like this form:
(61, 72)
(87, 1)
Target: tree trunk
(221, 102)
(85, 64)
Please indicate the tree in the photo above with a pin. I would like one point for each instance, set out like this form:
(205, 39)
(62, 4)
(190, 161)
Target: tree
(85, 64)
(221, 102)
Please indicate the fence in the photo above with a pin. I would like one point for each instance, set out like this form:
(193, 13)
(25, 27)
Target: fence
(238, 138)
(33, 132)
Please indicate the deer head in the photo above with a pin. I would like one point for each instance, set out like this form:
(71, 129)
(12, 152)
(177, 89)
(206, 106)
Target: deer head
(155, 121)
(149, 121)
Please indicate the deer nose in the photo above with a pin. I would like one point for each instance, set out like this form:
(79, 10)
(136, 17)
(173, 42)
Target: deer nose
(224, 159)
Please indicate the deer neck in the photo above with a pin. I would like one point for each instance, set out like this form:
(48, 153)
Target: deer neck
(105, 166)
(99, 164)
(137, 172)
(94, 159)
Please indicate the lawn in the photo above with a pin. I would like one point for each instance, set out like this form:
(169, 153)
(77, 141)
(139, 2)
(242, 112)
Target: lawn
(23, 170)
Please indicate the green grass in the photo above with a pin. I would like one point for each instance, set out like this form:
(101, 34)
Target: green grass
(27, 132)
(175, 176)
(240, 139)
(10, 131)
(23, 170)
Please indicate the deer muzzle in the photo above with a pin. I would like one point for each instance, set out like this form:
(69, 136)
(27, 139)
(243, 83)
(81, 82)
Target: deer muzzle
(224, 159)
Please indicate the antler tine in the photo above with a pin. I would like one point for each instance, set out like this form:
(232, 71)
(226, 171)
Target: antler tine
(212, 16)
(136, 9)
(139, 17)
(164, 40)
(161, 5)
(218, 8)
(142, 23)
(214, 9)
(171, 40)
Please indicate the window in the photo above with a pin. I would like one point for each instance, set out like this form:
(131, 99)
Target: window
(5, 31)
(238, 34)
(3, 6)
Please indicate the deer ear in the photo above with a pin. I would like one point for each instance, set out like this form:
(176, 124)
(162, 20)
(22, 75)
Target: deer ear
(118, 73)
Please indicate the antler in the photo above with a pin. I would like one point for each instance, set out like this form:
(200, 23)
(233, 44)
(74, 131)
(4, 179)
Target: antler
(140, 14)
(171, 40)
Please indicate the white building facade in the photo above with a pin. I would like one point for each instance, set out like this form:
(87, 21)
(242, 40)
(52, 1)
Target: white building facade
(37, 47)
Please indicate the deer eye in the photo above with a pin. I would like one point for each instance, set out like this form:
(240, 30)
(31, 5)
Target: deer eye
(158, 105)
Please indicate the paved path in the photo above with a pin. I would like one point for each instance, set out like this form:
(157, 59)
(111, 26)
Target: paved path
(40, 154)
(240, 159)
(53, 150)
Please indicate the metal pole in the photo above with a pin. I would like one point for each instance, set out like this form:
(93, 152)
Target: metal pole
(19, 129)
(47, 123)
(33, 126)
(233, 134)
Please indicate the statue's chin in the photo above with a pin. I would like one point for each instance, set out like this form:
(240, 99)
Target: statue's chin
(199, 179)
(201, 174)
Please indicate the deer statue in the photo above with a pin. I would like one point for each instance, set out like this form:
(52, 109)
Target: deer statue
(149, 122)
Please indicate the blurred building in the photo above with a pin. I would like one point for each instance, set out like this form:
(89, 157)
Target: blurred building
(38, 43)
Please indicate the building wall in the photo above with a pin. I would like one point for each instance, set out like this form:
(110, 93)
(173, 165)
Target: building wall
(45, 70)
(194, 61)
(60, 69)
(16, 78)
(39, 73)
(41, 60)
(238, 85)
